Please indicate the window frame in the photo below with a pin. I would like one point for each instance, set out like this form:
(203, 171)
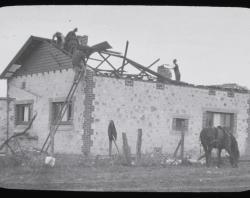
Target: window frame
(52, 113)
(233, 117)
(28, 103)
(186, 119)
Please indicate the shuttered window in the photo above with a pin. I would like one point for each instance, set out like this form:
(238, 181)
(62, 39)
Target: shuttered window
(23, 114)
(180, 124)
(214, 119)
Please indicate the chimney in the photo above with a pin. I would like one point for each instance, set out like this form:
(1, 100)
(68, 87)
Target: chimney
(164, 71)
(83, 40)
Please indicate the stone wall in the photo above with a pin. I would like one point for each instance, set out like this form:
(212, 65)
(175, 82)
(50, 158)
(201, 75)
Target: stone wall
(131, 104)
(152, 107)
(89, 108)
(248, 129)
(42, 88)
(3, 121)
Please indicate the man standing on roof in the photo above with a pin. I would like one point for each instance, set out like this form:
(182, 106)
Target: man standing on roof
(71, 41)
(78, 56)
(71, 45)
(59, 39)
(176, 71)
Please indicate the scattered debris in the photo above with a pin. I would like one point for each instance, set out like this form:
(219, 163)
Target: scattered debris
(50, 161)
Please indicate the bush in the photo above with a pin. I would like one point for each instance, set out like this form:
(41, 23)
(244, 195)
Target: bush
(10, 161)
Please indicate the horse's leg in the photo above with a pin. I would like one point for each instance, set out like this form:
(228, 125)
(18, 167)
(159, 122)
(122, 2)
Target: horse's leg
(231, 159)
(219, 157)
(208, 156)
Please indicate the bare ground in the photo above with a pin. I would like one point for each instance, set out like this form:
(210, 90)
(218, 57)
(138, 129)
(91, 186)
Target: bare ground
(122, 178)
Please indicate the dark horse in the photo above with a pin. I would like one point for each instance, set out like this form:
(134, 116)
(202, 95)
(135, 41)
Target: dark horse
(220, 138)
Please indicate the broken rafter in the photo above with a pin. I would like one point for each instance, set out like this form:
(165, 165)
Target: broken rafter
(151, 65)
(95, 59)
(96, 70)
(104, 59)
(115, 71)
(135, 65)
(107, 70)
(125, 55)
(145, 70)
(111, 52)
(119, 68)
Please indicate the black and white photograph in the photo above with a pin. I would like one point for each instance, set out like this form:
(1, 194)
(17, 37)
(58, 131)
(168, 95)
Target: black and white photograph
(135, 98)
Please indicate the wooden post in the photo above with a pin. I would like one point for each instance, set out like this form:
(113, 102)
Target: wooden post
(125, 54)
(182, 143)
(116, 147)
(52, 135)
(126, 150)
(138, 145)
(177, 148)
(110, 148)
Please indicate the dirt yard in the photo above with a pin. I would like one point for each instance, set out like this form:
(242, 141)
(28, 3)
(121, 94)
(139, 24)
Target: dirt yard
(122, 178)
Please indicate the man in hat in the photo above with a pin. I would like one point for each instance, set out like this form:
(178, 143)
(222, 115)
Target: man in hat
(78, 56)
(71, 41)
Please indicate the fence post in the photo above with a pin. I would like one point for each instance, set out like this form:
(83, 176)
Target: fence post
(138, 145)
(52, 139)
(182, 143)
(110, 148)
(126, 150)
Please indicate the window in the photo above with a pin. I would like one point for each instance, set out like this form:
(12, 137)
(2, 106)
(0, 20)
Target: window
(180, 124)
(214, 119)
(160, 86)
(211, 92)
(68, 115)
(129, 82)
(23, 86)
(230, 94)
(23, 114)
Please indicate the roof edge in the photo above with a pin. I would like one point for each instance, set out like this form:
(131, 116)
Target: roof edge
(20, 52)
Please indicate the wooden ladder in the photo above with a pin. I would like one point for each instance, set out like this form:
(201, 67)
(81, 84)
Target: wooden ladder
(53, 128)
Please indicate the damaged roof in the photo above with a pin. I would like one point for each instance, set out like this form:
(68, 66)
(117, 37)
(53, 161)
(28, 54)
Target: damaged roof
(16, 65)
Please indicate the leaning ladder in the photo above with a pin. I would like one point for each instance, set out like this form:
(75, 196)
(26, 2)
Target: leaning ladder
(63, 109)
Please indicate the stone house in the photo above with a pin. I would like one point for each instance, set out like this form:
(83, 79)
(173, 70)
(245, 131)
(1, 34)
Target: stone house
(40, 76)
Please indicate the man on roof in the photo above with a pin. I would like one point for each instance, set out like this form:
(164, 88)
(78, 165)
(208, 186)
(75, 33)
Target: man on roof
(71, 41)
(58, 38)
(78, 57)
(176, 71)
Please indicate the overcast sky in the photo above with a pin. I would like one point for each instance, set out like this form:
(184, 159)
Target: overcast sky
(212, 45)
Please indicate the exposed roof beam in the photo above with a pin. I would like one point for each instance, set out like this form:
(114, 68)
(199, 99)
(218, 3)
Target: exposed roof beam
(115, 71)
(125, 55)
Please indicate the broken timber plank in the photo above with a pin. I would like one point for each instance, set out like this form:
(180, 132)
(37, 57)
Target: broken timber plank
(126, 150)
(182, 144)
(138, 145)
